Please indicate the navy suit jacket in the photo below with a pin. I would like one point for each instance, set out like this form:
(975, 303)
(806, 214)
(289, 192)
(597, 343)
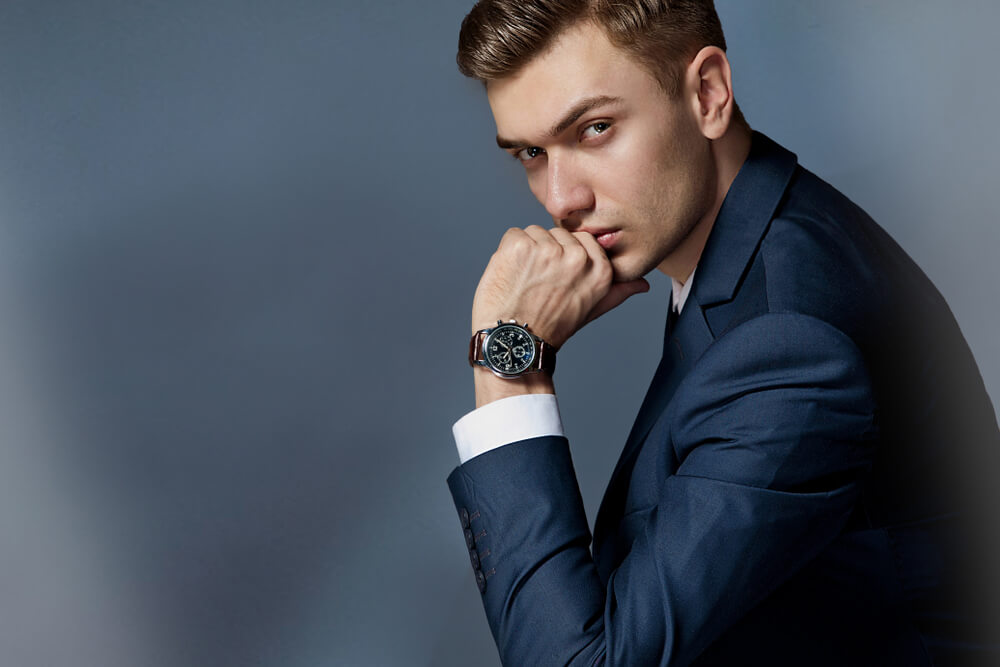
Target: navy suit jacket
(801, 482)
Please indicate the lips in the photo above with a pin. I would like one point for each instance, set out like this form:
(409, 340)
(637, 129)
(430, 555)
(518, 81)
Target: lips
(607, 239)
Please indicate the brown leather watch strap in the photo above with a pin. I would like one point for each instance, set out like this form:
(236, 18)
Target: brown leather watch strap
(546, 357)
(476, 347)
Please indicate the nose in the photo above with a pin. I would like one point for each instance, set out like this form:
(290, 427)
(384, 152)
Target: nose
(567, 193)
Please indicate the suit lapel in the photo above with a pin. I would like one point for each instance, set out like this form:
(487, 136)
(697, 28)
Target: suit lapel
(742, 221)
(684, 342)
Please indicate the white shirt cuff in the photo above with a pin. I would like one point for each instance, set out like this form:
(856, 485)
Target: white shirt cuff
(505, 421)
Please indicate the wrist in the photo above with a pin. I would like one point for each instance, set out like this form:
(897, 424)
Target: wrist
(491, 388)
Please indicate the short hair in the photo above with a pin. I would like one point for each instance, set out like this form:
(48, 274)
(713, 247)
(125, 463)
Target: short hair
(499, 37)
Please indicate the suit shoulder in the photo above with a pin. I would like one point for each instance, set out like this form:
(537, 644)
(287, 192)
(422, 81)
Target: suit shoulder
(823, 256)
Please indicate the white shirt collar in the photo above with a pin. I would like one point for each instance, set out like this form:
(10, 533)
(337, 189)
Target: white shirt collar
(681, 291)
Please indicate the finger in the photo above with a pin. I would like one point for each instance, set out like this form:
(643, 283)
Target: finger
(540, 235)
(563, 237)
(617, 295)
(594, 248)
(513, 237)
(598, 257)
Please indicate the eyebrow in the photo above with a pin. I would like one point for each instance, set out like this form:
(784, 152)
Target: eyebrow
(570, 117)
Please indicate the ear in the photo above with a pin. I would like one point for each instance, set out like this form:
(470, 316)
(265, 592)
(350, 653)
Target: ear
(710, 82)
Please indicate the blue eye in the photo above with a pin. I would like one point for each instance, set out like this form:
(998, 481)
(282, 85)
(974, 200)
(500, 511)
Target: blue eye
(529, 153)
(597, 128)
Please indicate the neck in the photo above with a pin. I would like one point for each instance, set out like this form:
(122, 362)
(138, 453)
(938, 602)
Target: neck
(729, 152)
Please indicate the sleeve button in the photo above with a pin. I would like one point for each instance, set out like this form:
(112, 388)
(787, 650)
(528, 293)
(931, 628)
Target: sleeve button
(481, 581)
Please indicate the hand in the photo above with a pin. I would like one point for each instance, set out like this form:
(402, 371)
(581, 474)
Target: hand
(554, 280)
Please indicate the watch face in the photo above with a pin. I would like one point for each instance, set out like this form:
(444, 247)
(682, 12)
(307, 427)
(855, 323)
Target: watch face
(509, 349)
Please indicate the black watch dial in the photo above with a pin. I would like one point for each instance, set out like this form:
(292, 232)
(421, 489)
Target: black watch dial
(510, 349)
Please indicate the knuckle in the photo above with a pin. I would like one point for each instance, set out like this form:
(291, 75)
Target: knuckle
(517, 244)
(576, 257)
(511, 234)
(550, 251)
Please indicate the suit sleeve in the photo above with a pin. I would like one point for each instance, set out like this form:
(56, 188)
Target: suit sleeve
(772, 431)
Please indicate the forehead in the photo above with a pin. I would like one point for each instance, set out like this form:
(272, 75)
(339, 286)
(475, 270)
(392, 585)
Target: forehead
(580, 64)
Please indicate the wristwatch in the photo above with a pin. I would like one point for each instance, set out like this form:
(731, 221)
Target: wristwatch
(510, 350)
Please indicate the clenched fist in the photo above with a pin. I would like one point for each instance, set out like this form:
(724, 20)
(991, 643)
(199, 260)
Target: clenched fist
(554, 280)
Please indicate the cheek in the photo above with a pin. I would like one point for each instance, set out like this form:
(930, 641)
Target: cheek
(647, 182)
(681, 173)
(628, 172)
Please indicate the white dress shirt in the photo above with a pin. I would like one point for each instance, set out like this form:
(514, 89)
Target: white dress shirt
(510, 420)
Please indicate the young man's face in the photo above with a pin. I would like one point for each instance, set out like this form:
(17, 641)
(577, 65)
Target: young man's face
(605, 149)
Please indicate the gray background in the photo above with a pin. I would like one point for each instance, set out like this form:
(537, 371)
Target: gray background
(238, 245)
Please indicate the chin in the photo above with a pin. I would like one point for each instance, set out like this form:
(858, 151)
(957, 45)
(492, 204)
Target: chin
(623, 276)
(624, 270)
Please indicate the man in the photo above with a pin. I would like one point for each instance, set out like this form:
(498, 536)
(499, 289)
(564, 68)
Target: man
(789, 493)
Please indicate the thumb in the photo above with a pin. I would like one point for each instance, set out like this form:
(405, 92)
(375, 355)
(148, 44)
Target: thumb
(617, 295)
